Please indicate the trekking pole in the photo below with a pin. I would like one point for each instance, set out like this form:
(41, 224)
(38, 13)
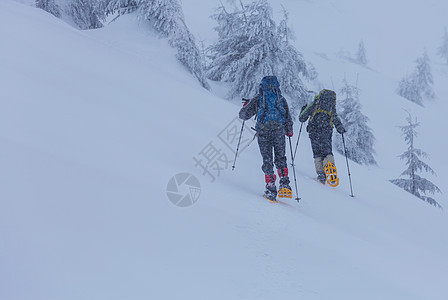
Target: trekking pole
(297, 144)
(294, 171)
(348, 168)
(238, 146)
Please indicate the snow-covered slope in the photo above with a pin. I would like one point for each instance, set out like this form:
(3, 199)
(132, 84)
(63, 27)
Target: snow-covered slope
(93, 125)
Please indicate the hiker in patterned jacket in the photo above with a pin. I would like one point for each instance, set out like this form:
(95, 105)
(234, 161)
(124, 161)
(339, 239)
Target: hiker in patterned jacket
(322, 114)
(273, 123)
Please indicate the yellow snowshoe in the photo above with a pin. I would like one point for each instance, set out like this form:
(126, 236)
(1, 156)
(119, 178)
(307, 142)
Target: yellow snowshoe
(285, 193)
(332, 174)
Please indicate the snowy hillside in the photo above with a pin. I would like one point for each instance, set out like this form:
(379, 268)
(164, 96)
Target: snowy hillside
(95, 124)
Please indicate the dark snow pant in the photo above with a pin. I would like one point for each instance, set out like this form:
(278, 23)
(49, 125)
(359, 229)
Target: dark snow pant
(322, 151)
(321, 143)
(272, 141)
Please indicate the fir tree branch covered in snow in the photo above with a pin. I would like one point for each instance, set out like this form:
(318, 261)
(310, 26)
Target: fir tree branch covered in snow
(49, 6)
(85, 13)
(120, 6)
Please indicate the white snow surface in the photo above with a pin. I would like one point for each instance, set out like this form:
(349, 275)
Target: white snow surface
(94, 124)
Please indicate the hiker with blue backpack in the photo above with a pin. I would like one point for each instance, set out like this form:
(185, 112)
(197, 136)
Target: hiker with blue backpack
(273, 123)
(322, 117)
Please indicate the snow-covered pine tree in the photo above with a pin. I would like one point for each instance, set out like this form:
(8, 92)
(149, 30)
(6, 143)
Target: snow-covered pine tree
(361, 57)
(49, 6)
(424, 77)
(408, 88)
(443, 49)
(250, 46)
(167, 18)
(85, 13)
(359, 138)
(418, 85)
(236, 55)
(415, 184)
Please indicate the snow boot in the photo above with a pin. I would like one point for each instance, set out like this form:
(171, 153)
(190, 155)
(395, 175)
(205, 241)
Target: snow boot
(284, 189)
(271, 190)
(321, 177)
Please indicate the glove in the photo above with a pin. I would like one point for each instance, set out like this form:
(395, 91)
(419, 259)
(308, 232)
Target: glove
(290, 134)
(341, 130)
(245, 101)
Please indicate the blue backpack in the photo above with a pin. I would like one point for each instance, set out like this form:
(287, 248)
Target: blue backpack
(270, 103)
